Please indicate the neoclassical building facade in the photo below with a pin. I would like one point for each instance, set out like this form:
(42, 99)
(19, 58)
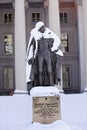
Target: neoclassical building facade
(67, 18)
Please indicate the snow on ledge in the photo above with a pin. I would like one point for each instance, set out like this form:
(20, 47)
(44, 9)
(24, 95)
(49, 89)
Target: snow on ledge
(17, 91)
(44, 91)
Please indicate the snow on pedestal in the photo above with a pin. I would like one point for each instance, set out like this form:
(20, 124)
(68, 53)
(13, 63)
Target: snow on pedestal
(44, 91)
(57, 125)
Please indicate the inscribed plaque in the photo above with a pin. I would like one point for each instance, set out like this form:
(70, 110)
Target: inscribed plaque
(46, 109)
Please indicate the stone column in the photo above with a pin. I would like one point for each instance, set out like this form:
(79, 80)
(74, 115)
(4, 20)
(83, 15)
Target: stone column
(85, 37)
(20, 46)
(54, 24)
(53, 12)
(81, 42)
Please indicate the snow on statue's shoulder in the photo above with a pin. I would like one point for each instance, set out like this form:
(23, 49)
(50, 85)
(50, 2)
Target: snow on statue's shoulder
(44, 91)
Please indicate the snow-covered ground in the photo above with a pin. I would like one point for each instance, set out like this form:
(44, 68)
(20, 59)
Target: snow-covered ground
(16, 113)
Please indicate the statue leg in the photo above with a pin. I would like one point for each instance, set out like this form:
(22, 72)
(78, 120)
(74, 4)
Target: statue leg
(40, 66)
(50, 73)
(58, 68)
(29, 86)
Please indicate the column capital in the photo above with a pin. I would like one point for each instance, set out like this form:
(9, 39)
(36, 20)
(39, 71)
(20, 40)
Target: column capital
(46, 3)
(25, 2)
(13, 4)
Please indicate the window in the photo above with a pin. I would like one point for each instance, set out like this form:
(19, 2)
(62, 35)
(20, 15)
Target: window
(35, 17)
(63, 17)
(8, 44)
(66, 76)
(64, 40)
(8, 18)
(8, 78)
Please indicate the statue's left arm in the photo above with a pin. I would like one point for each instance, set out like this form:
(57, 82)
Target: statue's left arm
(56, 39)
(56, 44)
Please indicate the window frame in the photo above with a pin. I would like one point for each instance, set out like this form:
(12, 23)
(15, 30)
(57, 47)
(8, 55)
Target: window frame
(63, 18)
(6, 34)
(12, 76)
(35, 16)
(67, 42)
(69, 76)
(7, 23)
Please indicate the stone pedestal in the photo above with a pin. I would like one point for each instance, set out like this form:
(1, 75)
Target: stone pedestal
(45, 104)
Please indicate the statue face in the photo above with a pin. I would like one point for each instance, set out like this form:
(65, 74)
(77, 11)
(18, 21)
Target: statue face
(42, 29)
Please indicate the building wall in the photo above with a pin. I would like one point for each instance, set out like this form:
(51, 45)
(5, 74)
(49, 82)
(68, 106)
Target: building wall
(72, 67)
(6, 59)
(68, 25)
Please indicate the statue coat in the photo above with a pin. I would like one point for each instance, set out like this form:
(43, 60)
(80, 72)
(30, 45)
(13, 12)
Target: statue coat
(36, 35)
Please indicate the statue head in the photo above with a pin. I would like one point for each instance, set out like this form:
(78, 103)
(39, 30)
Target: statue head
(40, 26)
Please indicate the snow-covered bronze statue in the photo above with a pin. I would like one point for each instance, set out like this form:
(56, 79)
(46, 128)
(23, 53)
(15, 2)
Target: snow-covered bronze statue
(44, 57)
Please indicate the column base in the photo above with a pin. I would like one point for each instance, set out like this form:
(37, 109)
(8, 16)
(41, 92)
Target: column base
(17, 91)
(85, 90)
(59, 88)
